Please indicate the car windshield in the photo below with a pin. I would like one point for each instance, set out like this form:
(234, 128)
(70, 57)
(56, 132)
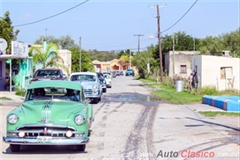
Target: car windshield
(83, 77)
(51, 73)
(50, 93)
(107, 73)
(107, 76)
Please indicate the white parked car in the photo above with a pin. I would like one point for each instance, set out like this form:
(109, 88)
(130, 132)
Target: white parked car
(108, 79)
(90, 83)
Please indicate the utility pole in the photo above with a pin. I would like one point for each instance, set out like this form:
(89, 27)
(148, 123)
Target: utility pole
(138, 41)
(173, 56)
(46, 31)
(159, 44)
(194, 45)
(130, 58)
(80, 56)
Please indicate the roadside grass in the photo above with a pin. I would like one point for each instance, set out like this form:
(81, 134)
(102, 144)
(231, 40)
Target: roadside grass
(168, 92)
(5, 98)
(217, 113)
(1, 104)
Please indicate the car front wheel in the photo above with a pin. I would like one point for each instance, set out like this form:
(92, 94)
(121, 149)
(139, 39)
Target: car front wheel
(95, 100)
(15, 147)
(81, 147)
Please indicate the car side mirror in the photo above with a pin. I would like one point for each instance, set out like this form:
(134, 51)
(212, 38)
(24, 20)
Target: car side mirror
(64, 76)
(31, 76)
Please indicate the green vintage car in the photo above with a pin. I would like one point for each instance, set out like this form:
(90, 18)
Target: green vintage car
(54, 112)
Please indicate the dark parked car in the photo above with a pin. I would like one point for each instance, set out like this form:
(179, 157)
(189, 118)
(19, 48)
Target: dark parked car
(117, 73)
(129, 72)
(114, 74)
(121, 73)
(102, 82)
(48, 74)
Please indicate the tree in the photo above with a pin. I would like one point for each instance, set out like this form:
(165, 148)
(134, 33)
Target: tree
(215, 45)
(182, 42)
(124, 59)
(86, 63)
(121, 53)
(49, 58)
(231, 42)
(7, 31)
(211, 46)
(141, 59)
(101, 55)
(65, 42)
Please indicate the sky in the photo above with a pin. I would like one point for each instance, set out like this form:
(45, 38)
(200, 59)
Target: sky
(113, 25)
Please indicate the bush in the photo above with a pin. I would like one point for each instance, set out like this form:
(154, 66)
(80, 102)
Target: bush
(20, 92)
(208, 90)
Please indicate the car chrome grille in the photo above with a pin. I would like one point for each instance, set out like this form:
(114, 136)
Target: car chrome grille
(53, 131)
(88, 91)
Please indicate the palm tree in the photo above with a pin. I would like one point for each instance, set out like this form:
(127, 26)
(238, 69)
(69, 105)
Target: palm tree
(49, 58)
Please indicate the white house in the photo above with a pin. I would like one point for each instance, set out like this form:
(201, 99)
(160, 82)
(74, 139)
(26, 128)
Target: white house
(219, 71)
(178, 63)
(66, 55)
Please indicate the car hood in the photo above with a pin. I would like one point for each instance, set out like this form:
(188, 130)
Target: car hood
(108, 79)
(88, 84)
(58, 112)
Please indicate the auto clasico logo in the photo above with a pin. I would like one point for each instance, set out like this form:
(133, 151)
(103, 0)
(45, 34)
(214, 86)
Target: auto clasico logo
(186, 154)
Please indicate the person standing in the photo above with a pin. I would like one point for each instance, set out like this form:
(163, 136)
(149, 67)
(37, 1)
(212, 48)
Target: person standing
(190, 80)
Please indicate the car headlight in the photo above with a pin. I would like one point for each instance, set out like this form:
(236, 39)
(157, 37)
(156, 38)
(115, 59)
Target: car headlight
(12, 118)
(94, 86)
(79, 119)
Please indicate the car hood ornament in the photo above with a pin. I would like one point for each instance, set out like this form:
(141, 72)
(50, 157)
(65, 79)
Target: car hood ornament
(46, 113)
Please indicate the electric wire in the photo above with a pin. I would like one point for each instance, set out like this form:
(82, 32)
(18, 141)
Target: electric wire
(181, 17)
(87, 1)
(174, 23)
(52, 15)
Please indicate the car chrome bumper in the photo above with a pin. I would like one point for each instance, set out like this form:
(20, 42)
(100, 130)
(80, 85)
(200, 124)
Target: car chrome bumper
(104, 86)
(93, 96)
(54, 141)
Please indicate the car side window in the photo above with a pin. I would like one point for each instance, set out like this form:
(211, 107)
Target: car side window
(29, 95)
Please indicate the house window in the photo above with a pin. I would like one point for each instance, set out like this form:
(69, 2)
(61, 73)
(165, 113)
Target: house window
(225, 72)
(183, 68)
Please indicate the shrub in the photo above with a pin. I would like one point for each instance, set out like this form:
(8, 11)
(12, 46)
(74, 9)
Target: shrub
(208, 90)
(20, 92)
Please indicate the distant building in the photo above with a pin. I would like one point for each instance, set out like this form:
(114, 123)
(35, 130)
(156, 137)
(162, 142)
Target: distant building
(113, 65)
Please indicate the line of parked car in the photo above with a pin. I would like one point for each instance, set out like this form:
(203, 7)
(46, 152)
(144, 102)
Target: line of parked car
(129, 72)
(94, 84)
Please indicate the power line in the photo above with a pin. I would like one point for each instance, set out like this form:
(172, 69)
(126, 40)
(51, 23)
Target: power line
(50, 16)
(181, 17)
(116, 50)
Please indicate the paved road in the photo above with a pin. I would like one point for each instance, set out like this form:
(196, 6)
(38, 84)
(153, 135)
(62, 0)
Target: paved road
(131, 124)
